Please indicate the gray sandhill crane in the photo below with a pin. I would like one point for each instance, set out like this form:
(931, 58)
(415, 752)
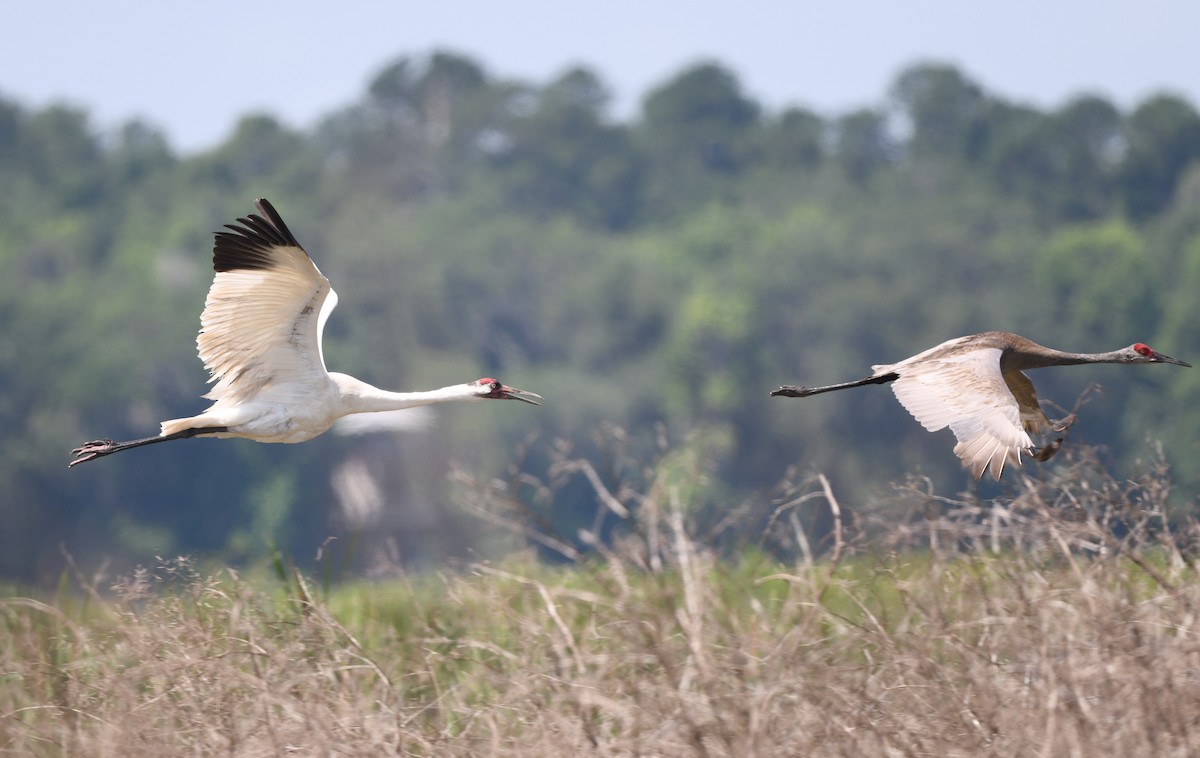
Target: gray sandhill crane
(976, 386)
(260, 337)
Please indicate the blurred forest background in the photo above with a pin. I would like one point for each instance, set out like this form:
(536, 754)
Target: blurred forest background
(659, 275)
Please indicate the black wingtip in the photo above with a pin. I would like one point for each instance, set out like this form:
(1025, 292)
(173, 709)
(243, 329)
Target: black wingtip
(247, 247)
(264, 207)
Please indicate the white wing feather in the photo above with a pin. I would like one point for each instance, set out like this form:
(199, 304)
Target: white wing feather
(967, 393)
(261, 327)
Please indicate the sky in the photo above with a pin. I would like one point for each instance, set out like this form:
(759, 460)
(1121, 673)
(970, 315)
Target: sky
(192, 69)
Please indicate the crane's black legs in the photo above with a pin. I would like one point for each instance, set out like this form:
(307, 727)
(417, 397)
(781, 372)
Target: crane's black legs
(99, 448)
(792, 390)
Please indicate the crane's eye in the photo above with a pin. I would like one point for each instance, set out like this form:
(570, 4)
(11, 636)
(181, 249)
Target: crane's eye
(1143, 350)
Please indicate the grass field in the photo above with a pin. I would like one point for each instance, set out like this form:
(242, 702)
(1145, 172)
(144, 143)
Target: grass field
(1059, 621)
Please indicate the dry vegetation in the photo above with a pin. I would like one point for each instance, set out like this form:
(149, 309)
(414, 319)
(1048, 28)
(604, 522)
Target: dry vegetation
(1060, 620)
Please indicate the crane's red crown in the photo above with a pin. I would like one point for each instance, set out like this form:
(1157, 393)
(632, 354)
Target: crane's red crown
(1143, 349)
(486, 380)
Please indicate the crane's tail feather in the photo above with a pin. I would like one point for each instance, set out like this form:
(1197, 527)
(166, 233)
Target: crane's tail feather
(985, 453)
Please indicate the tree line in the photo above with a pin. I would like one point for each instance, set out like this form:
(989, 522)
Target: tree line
(659, 273)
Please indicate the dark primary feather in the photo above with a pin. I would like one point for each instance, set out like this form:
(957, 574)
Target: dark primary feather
(248, 247)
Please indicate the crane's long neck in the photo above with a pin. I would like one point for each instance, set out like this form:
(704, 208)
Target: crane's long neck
(1050, 357)
(359, 397)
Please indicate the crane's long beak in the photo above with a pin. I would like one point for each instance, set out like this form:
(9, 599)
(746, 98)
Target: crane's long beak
(512, 393)
(1160, 358)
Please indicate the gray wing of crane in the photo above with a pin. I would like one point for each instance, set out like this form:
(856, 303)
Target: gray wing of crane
(967, 392)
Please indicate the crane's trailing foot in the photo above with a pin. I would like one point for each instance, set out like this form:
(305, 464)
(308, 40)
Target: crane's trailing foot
(94, 449)
(98, 448)
(791, 390)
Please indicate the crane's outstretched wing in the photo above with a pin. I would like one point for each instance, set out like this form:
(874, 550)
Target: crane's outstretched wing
(967, 393)
(265, 311)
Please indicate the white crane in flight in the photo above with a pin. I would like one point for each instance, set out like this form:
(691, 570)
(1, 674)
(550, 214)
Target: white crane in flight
(260, 337)
(976, 386)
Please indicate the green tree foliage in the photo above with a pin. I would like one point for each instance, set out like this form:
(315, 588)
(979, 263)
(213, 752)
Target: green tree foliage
(259, 146)
(946, 111)
(697, 129)
(1163, 137)
(864, 145)
(564, 158)
(1064, 162)
(59, 151)
(661, 275)
(796, 139)
(423, 128)
(1089, 272)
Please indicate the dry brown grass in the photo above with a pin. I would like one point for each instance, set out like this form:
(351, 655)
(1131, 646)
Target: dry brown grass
(1025, 626)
